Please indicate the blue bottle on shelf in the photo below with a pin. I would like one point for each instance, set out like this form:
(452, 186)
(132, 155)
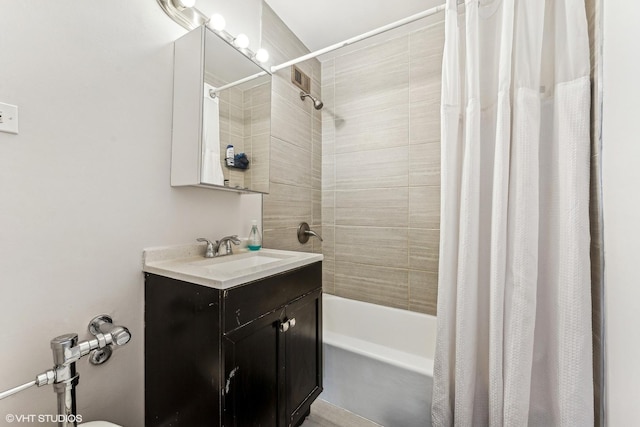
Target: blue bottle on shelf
(254, 242)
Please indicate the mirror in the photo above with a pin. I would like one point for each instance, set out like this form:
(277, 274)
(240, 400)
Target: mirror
(222, 100)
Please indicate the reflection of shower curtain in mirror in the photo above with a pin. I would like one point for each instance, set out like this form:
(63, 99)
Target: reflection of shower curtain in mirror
(211, 166)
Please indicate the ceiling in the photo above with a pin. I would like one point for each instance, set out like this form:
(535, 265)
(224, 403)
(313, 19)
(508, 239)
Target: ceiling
(320, 23)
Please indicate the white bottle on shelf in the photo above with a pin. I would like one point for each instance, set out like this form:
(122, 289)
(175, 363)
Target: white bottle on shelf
(229, 156)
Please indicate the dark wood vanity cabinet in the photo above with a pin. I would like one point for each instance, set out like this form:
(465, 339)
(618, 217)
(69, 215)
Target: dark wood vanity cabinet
(245, 356)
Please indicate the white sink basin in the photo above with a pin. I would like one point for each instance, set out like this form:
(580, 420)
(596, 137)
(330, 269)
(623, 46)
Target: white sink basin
(186, 263)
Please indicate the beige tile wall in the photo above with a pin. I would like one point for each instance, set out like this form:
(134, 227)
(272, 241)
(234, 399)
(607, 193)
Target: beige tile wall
(257, 108)
(381, 171)
(296, 145)
(244, 123)
(365, 172)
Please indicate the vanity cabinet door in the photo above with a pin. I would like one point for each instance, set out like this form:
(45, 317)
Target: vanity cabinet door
(303, 355)
(182, 353)
(254, 373)
(273, 366)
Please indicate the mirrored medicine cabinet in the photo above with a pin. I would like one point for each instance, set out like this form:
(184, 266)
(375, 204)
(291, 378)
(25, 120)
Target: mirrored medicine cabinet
(220, 98)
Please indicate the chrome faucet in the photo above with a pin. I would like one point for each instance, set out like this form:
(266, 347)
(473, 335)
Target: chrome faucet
(213, 249)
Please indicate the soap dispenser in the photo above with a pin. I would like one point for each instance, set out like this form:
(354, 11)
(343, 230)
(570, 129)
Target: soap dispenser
(255, 240)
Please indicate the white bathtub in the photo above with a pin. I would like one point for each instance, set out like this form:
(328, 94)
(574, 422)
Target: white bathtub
(378, 361)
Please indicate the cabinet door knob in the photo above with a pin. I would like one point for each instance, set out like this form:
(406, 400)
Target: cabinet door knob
(284, 326)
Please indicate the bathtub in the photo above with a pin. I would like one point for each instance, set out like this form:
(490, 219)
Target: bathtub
(378, 361)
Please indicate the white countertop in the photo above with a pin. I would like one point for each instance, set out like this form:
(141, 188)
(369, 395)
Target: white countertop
(187, 263)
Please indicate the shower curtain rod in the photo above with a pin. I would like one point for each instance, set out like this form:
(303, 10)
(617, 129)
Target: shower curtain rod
(237, 82)
(362, 36)
(344, 43)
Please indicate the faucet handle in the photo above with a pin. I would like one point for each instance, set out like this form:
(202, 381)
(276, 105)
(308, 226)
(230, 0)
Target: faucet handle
(227, 241)
(233, 239)
(210, 251)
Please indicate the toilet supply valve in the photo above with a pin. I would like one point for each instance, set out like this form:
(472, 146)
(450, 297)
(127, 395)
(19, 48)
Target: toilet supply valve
(67, 351)
(108, 335)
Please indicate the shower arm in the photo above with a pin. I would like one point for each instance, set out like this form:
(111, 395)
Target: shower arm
(317, 104)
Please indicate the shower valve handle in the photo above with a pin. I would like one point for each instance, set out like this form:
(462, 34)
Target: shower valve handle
(304, 231)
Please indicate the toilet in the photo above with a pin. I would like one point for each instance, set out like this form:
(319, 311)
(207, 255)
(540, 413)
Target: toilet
(99, 424)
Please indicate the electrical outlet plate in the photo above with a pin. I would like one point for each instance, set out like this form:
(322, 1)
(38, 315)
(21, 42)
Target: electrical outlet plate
(8, 118)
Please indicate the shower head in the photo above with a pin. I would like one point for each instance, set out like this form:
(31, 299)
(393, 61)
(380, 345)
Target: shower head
(317, 104)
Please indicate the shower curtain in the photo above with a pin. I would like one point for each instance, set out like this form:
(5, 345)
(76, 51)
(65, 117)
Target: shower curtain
(514, 313)
(211, 165)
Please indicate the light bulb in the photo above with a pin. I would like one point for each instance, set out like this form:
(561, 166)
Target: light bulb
(262, 55)
(217, 22)
(184, 4)
(241, 41)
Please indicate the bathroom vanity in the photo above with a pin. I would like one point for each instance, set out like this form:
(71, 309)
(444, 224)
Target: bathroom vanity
(220, 353)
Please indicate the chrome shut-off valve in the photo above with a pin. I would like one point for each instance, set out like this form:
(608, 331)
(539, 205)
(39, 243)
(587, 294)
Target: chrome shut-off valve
(66, 352)
(108, 335)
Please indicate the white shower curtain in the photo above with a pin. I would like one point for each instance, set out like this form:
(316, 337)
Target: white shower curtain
(211, 165)
(514, 304)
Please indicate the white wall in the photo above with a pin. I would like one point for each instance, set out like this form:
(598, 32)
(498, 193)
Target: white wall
(621, 201)
(85, 187)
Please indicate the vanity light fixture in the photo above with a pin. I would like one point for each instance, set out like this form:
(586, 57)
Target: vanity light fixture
(262, 55)
(186, 14)
(241, 41)
(217, 22)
